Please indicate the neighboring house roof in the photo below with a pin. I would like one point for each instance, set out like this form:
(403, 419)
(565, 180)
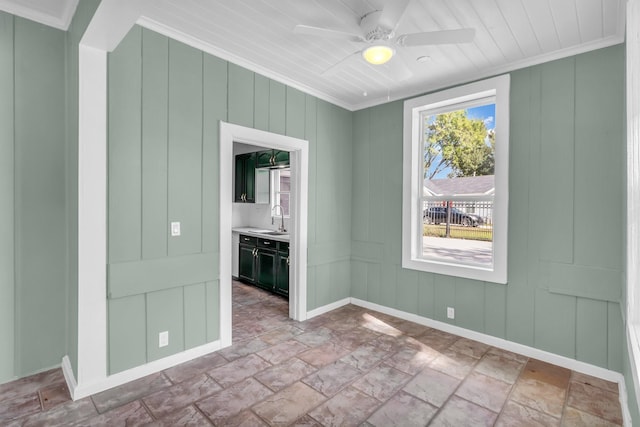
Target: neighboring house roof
(468, 185)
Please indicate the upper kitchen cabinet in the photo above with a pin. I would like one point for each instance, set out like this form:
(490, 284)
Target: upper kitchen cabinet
(271, 158)
(245, 184)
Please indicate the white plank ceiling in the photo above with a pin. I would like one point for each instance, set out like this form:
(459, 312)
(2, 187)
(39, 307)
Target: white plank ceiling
(258, 34)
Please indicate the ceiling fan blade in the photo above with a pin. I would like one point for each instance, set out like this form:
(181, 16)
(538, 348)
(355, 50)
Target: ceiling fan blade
(326, 32)
(465, 35)
(331, 71)
(392, 12)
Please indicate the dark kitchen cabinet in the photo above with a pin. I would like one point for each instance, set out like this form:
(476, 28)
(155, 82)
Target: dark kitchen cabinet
(247, 259)
(266, 269)
(282, 278)
(271, 158)
(245, 184)
(264, 263)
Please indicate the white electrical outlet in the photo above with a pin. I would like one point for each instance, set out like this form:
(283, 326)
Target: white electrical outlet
(451, 313)
(175, 229)
(163, 339)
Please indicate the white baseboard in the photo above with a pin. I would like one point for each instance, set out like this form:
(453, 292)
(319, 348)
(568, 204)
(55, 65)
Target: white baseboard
(525, 350)
(69, 377)
(78, 391)
(327, 308)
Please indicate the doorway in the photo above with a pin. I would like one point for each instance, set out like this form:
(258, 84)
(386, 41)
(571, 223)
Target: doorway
(299, 161)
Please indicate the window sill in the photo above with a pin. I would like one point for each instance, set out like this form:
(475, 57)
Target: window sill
(485, 274)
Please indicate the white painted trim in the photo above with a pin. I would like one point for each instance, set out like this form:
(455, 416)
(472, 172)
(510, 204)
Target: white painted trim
(69, 377)
(87, 389)
(299, 149)
(112, 21)
(189, 40)
(632, 309)
(92, 216)
(545, 356)
(327, 308)
(60, 22)
(490, 72)
(413, 182)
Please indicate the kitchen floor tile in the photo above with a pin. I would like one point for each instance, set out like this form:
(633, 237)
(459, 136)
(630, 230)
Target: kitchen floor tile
(190, 369)
(484, 391)
(171, 399)
(350, 366)
(515, 414)
(283, 351)
(459, 412)
(382, 382)
(231, 401)
(129, 392)
(330, 379)
(432, 386)
(323, 354)
(350, 407)
(288, 404)
(238, 370)
(403, 410)
(279, 376)
(595, 401)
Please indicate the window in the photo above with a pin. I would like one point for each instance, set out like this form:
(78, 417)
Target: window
(455, 168)
(280, 191)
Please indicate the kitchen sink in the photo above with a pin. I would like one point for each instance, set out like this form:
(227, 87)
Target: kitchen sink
(276, 233)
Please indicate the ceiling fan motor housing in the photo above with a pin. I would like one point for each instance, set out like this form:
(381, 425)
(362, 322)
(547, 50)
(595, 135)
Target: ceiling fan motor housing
(371, 28)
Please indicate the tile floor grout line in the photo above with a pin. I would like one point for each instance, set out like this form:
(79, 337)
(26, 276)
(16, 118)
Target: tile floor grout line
(453, 393)
(375, 349)
(513, 388)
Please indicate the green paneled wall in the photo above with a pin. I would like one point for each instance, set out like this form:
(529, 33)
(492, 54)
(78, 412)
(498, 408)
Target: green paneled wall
(40, 195)
(7, 282)
(33, 200)
(165, 103)
(566, 216)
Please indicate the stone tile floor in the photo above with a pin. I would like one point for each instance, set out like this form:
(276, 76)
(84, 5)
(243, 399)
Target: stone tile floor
(348, 367)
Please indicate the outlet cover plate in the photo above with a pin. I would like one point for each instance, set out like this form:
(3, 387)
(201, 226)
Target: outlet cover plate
(451, 313)
(163, 339)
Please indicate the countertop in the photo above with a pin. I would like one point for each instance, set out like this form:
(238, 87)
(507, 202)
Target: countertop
(261, 232)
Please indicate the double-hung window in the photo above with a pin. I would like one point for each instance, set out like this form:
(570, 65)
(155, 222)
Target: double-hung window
(455, 179)
(280, 192)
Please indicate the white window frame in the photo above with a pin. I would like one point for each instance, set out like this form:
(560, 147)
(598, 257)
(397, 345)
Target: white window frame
(274, 179)
(448, 100)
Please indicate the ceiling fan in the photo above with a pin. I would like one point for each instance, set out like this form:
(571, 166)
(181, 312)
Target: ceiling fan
(377, 29)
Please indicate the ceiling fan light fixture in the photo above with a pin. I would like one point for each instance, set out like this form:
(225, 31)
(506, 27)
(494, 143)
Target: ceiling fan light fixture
(378, 54)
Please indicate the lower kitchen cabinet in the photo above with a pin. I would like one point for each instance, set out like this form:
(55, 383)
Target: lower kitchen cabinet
(247, 259)
(264, 263)
(282, 279)
(266, 269)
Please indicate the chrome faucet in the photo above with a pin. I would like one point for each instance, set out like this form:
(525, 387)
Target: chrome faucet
(281, 228)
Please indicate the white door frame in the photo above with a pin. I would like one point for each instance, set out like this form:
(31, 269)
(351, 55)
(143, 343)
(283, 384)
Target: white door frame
(299, 157)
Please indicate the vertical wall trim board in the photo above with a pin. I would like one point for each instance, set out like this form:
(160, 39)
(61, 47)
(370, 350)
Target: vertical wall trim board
(92, 216)
(7, 200)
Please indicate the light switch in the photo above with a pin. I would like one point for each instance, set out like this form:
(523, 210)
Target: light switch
(175, 229)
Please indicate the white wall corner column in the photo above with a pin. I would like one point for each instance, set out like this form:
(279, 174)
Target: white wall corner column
(92, 219)
(109, 25)
(633, 190)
